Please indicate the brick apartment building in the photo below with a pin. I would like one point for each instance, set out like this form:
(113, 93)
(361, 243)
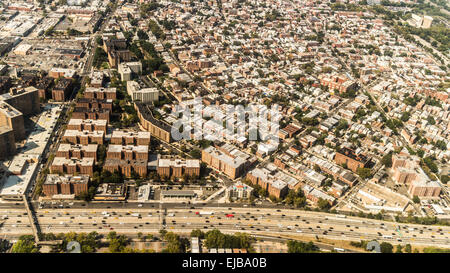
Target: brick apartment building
(87, 125)
(174, 167)
(95, 114)
(268, 182)
(233, 167)
(94, 103)
(351, 159)
(72, 166)
(77, 151)
(130, 138)
(62, 89)
(83, 137)
(126, 166)
(65, 185)
(127, 152)
(100, 93)
(156, 127)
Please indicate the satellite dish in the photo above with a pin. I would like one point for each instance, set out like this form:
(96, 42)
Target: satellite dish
(73, 247)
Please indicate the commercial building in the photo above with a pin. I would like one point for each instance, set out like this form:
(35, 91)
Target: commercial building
(110, 192)
(238, 190)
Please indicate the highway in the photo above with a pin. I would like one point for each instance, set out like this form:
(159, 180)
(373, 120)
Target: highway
(256, 221)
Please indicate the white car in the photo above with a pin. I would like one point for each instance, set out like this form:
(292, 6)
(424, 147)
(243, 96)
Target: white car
(299, 230)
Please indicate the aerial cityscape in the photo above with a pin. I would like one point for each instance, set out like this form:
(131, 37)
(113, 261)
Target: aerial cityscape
(224, 126)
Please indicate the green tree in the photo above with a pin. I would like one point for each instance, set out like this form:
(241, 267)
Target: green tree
(25, 244)
(386, 247)
(387, 160)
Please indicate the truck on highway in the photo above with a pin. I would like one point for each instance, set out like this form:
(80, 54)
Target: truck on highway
(387, 236)
(204, 213)
(339, 249)
(135, 214)
(341, 216)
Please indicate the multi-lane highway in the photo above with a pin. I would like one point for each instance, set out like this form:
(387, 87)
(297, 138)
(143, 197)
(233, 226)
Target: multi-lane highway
(258, 221)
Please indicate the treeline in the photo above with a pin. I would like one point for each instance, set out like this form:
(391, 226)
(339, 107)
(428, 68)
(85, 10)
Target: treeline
(216, 239)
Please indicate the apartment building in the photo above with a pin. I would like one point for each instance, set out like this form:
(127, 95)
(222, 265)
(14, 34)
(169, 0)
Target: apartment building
(126, 167)
(130, 138)
(269, 182)
(351, 159)
(87, 125)
(95, 114)
(62, 89)
(77, 151)
(157, 128)
(232, 166)
(94, 103)
(175, 167)
(100, 93)
(73, 166)
(84, 137)
(65, 185)
(8, 147)
(127, 152)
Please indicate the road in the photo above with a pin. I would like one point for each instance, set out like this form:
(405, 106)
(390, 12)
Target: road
(256, 221)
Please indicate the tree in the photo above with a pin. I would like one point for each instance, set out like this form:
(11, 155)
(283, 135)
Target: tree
(301, 247)
(323, 204)
(408, 248)
(195, 153)
(364, 173)
(387, 160)
(416, 199)
(386, 247)
(398, 249)
(25, 244)
(197, 233)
